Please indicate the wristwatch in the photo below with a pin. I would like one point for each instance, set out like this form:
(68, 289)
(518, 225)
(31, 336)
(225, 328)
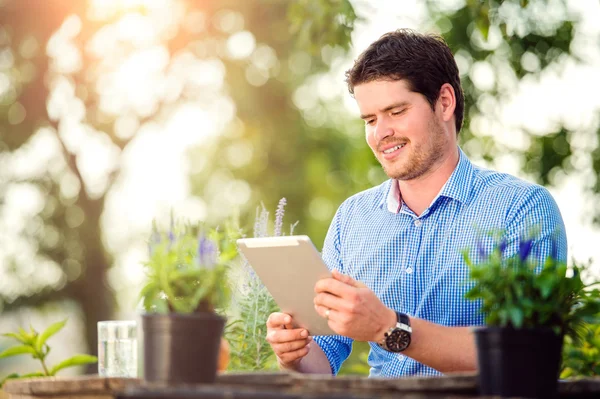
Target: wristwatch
(397, 338)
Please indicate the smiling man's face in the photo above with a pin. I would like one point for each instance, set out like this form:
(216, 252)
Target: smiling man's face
(405, 134)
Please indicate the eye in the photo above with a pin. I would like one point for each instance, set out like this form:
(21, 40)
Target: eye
(396, 113)
(369, 122)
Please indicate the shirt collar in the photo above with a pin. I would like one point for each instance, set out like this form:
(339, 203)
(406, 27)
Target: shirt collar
(457, 187)
(459, 184)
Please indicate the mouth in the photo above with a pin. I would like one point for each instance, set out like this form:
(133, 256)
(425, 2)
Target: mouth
(393, 151)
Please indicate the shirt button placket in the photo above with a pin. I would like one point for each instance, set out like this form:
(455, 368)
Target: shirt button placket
(417, 223)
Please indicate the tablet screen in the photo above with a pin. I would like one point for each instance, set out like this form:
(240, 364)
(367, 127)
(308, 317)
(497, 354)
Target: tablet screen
(289, 267)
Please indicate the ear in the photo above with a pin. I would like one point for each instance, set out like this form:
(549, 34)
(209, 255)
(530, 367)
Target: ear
(447, 101)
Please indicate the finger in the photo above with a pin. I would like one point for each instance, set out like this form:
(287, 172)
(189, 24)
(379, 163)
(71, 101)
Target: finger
(281, 349)
(288, 326)
(347, 279)
(291, 357)
(333, 287)
(279, 320)
(281, 336)
(328, 301)
(322, 311)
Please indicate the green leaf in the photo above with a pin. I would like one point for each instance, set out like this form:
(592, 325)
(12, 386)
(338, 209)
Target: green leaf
(516, 317)
(15, 376)
(76, 360)
(18, 350)
(50, 331)
(9, 377)
(27, 338)
(31, 375)
(18, 337)
(158, 305)
(177, 275)
(149, 294)
(566, 373)
(546, 282)
(503, 316)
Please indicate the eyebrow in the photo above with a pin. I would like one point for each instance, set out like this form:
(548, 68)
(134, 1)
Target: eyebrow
(386, 109)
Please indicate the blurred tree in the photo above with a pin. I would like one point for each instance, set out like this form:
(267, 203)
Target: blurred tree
(500, 44)
(36, 40)
(291, 137)
(75, 247)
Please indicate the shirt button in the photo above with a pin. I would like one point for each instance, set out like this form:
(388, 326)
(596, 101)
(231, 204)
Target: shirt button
(418, 222)
(409, 270)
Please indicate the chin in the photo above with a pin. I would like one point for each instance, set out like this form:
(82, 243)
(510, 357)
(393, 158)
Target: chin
(396, 172)
(404, 174)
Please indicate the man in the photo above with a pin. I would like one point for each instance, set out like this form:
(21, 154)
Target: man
(395, 250)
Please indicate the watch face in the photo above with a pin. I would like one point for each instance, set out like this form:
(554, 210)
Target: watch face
(397, 340)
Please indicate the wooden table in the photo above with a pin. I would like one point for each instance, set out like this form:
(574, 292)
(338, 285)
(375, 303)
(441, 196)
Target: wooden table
(271, 385)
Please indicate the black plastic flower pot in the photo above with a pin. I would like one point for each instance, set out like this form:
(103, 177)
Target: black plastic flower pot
(518, 363)
(182, 348)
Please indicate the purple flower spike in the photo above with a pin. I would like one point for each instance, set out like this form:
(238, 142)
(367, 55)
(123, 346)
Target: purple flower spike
(207, 252)
(525, 249)
(481, 250)
(154, 240)
(554, 249)
(171, 237)
(279, 216)
(502, 246)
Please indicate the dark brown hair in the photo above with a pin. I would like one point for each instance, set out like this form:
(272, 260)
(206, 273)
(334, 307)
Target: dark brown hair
(424, 61)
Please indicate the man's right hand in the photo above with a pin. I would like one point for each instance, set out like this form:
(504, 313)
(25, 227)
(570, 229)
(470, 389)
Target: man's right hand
(289, 344)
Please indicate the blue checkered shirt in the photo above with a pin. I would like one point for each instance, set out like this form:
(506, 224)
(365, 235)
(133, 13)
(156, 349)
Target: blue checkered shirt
(414, 263)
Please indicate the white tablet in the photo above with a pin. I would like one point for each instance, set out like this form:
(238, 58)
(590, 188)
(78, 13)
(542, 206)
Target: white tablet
(289, 266)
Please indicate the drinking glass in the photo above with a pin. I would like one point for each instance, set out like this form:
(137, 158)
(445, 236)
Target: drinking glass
(117, 348)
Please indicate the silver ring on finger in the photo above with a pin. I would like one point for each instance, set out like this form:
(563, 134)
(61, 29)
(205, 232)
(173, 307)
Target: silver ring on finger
(327, 314)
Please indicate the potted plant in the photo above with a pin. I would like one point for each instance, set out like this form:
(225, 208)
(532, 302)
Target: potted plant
(530, 307)
(187, 284)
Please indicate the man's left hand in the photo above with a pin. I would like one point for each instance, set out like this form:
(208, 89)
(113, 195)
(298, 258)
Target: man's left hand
(352, 309)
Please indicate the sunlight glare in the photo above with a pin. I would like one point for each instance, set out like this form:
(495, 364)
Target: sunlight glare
(137, 29)
(190, 125)
(241, 45)
(133, 84)
(104, 9)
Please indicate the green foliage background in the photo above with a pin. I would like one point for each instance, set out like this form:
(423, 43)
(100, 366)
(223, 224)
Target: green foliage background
(315, 155)
(582, 359)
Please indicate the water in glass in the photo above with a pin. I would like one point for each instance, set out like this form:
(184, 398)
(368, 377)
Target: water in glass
(117, 349)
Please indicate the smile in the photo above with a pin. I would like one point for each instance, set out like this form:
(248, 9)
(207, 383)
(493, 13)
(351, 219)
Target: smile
(390, 150)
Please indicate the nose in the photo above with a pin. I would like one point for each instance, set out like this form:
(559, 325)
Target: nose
(382, 130)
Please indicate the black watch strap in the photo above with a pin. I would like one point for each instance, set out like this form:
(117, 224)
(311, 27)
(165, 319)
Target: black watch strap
(403, 318)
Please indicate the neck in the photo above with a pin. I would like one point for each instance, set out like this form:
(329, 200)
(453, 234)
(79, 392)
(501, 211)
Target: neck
(418, 193)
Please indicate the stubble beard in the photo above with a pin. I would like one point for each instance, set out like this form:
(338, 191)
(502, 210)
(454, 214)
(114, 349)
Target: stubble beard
(421, 158)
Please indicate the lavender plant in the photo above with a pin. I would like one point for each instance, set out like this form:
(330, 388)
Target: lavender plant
(253, 304)
(187, 268)
(522, 292)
